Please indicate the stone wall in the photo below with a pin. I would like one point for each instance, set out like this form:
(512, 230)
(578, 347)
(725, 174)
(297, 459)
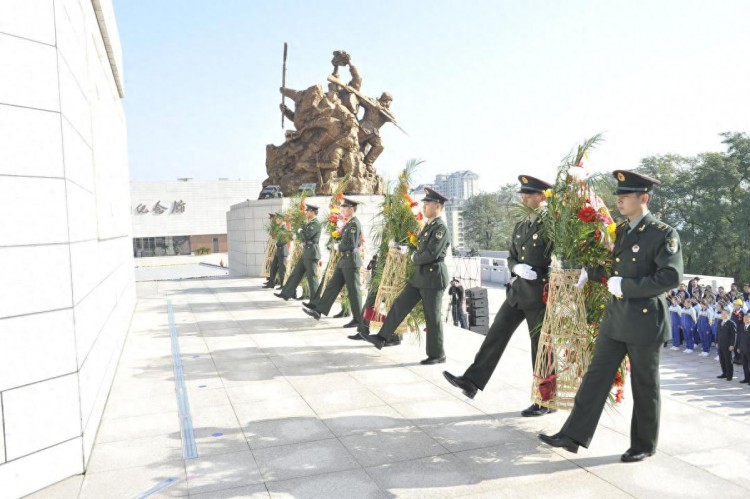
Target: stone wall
(67, 292)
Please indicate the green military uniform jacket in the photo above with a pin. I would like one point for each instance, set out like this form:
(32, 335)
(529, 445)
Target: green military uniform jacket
(349, 245)
(429, 258)
(528, 246)
(310, 235)
(649, 260)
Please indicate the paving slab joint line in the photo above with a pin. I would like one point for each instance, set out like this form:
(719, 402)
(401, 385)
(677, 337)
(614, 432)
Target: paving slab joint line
(189, 448)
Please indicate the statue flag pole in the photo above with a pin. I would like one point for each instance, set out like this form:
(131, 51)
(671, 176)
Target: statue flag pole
(283, 84)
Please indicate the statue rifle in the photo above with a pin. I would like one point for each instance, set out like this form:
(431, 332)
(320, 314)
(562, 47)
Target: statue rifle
(359, 94)
(283, 84)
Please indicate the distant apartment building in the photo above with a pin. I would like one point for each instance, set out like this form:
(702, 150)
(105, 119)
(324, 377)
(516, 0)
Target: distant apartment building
(457, 186)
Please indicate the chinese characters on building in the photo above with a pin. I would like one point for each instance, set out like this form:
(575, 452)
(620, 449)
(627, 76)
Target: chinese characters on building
(158, 208)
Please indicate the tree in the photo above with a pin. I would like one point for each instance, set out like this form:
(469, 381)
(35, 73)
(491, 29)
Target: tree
(705, 199)
(489, 219)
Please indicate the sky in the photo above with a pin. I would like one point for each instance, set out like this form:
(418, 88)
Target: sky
(497, 87)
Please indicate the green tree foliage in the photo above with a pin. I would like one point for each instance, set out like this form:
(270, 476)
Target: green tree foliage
(489, 219)
(707, 199)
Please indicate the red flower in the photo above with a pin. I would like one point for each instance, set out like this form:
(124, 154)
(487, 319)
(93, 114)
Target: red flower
(413, 204)
(587, 214)
(618, 379)
(332, 219)
(619, 396)
(597, 234)
(420, 216)
(604, 280)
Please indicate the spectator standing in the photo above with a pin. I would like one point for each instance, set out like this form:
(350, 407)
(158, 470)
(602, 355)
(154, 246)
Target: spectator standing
(726, 341)
(458, 303)
(675, 315)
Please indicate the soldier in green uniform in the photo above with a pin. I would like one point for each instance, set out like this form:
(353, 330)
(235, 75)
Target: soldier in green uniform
(347, 270)
(647, 263)
(310, 236)
(278, 268)
(282, 237)
(427, 284)
(529, 261)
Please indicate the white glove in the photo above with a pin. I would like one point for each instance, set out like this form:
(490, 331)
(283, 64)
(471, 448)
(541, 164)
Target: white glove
(524, 271)
(404, 249)
(583, 279)
(336, 246)
(299, 231)
(614, 285)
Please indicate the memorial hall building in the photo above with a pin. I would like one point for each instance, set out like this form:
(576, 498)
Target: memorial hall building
(179, 217)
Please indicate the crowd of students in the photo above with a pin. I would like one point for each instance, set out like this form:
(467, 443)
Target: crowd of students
(696, 314)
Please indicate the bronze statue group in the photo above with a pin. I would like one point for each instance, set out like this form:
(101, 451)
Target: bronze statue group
(636, 320)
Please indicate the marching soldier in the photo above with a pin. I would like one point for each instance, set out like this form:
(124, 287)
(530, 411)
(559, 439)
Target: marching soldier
(282, 251)
(278, 265)
(427, 284)
(647, 264)
(347, 270)
(529, 260)
(307, 265)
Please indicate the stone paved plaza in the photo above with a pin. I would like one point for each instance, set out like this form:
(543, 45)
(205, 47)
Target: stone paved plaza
(283, 406)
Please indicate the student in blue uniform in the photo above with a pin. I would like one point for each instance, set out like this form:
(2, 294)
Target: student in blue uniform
(705, 319)
(675, 316)
(689, 319)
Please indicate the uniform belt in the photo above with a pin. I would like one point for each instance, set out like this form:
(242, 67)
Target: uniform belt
(347, 253)
(309, 244)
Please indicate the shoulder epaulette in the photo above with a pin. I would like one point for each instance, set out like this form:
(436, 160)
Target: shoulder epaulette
(660, 225)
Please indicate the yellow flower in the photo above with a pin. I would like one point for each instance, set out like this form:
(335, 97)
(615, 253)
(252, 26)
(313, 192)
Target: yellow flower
(611, 228)
(548, 193)
(335, 234)
(334, 210)
(413, 240)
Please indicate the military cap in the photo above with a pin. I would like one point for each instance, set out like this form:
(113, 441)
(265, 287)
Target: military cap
(433, 195)
(628, 182)
(532, 185)
(348, 202)
(311, 207)
(272, 215)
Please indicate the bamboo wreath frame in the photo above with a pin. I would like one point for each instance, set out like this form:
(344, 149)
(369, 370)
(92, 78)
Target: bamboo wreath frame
(391, 284)
(270, 255)
(563, 351)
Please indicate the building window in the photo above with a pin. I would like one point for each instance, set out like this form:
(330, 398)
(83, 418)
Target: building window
(216, 245)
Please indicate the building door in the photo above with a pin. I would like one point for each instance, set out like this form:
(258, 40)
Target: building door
(216, 245)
